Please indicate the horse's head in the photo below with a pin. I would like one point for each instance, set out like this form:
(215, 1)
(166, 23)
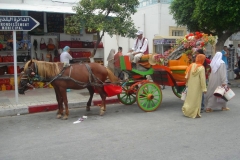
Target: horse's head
(29, 72)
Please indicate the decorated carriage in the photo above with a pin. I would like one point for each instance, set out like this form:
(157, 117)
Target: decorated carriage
(166, 68)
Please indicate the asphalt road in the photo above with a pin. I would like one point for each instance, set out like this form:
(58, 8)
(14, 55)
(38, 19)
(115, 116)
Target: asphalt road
(124, 133)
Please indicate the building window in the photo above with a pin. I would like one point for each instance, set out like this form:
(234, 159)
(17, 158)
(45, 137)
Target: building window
(177, 32)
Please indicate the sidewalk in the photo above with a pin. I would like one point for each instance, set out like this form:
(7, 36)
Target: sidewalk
(44, 99)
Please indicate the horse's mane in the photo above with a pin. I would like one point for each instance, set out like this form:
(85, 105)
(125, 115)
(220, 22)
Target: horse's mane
(45, 69)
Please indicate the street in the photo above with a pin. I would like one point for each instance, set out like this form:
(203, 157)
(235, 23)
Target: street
(124, 133)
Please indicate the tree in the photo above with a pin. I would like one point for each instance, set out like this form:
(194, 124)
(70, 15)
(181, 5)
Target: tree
(216, 17)
(103, 16)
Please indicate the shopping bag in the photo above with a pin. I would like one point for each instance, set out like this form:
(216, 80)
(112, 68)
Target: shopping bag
(229, 94)
(184, 94)
(219, 91)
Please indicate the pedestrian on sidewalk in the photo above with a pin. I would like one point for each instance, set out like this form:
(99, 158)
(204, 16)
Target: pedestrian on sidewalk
(216, 78)
(207, 67)
(237, 70)
(117, 69)
(65, 57)
(196, 85)
(225, 55)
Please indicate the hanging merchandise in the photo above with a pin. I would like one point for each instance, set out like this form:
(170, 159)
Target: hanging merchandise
(36, 56)
(50, 58)
(50, 45)
(35, 44)
(42, 58)
(42, 44)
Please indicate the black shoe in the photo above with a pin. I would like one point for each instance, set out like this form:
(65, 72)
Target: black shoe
(229, 84)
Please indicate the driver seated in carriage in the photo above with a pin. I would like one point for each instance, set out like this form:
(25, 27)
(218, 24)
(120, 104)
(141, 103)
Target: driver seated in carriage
(139, 49)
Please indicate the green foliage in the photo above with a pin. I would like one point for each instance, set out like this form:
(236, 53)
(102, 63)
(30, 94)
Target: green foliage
(110, 16)
(216, 17)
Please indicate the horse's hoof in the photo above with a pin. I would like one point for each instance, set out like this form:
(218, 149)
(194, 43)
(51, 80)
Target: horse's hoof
(87, 108)
(65, 117)
(59, 116)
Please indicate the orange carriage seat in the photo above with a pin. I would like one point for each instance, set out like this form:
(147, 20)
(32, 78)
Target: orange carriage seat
(178, 67)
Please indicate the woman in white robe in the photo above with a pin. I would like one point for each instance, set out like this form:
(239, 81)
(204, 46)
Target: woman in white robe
(216, 78)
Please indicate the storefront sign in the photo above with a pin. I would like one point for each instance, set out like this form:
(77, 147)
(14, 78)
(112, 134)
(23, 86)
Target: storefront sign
(17, 23)
(164, 41)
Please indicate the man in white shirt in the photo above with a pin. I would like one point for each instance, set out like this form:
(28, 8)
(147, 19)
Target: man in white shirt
(140, 47)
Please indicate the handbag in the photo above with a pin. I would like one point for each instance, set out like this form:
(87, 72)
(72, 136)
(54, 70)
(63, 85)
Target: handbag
(229, 94)
(76, 44)
(219, 91)
(50, 45)
(87, 44)
(62, 44)
(42, 44)
(184, 94)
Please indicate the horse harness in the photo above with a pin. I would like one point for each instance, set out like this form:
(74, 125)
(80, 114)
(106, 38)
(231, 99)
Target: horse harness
(93, 80)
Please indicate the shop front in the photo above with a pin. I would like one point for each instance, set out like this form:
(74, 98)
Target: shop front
(44, 43)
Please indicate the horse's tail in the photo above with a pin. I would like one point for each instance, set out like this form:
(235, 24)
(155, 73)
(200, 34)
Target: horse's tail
(111, 76)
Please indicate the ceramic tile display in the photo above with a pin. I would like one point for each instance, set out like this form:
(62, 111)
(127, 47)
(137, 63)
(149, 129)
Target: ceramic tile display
(55, 22)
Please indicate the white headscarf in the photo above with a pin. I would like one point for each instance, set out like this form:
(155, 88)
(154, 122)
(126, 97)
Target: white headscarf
(111, 55)
(216, 62)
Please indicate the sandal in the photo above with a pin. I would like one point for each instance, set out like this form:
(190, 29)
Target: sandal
(225, 109)
(198, 116)
(208, 110)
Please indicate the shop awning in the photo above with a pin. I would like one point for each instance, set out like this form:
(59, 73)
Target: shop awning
(43, 8)
(37, 8)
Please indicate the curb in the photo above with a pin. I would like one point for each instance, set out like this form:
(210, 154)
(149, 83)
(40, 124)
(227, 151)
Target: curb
(51, 107)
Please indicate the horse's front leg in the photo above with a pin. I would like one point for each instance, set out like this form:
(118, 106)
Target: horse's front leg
(59, 101)
(91, 92)
(65, 101)
(103, 96)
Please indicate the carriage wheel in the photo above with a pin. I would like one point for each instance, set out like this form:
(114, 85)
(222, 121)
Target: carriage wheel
(127, 96)
(175, 91)
(149, 97)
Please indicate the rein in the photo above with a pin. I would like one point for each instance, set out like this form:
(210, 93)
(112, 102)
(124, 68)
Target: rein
(91, 82)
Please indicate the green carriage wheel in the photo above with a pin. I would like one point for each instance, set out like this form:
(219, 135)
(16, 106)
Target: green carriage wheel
(127, 96)
(149, 97)
(175, 91)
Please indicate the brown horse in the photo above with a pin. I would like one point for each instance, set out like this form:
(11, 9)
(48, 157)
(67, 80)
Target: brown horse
(64, 76)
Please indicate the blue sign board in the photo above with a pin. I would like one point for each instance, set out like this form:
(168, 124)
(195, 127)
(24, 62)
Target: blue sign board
(17, 23)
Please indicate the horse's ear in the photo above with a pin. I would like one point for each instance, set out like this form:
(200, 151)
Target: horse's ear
(30, 63)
